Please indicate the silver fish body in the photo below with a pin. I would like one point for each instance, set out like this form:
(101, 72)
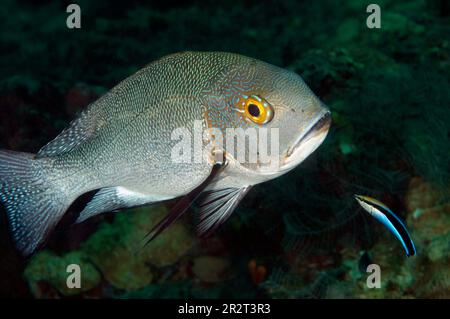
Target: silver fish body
(122, 144)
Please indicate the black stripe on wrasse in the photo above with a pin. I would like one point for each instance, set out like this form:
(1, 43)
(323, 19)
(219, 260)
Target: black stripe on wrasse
(396, 223)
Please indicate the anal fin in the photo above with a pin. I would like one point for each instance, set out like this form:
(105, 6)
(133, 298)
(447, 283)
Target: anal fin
(112, 199)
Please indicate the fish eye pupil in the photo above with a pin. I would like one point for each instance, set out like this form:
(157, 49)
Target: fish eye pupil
(253, 110)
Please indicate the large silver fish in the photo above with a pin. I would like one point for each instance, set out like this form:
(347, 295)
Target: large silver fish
(122, 144)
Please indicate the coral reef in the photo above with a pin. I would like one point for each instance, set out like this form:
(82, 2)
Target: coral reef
(47, 274)
(115, 252)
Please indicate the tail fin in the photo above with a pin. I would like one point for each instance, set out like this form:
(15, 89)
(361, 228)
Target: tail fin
(33, 202)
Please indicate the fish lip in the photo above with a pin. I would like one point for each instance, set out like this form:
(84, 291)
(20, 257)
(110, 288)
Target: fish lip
(322, 123)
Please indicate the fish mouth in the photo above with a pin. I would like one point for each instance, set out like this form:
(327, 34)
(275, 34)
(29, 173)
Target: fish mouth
(307, 142)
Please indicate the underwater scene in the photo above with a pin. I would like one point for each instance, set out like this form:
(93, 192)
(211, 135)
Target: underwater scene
(361, 213)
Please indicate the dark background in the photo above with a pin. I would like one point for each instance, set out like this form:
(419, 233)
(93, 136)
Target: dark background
(300, 236)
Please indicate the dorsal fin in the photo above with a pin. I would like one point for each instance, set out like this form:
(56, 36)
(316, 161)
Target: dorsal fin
(81, 129)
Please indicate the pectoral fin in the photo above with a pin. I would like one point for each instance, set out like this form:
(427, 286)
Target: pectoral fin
(182, 205)
(217, 207)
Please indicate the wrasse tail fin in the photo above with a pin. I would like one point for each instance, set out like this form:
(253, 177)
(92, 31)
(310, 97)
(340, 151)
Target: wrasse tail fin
(33, 204)
(217, 207)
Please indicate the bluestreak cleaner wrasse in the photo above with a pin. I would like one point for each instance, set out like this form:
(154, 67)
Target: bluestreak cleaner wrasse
(121, 145)
(384, 214)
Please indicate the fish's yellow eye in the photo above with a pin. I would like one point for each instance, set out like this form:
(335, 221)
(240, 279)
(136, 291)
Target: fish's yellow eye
(257, 109)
